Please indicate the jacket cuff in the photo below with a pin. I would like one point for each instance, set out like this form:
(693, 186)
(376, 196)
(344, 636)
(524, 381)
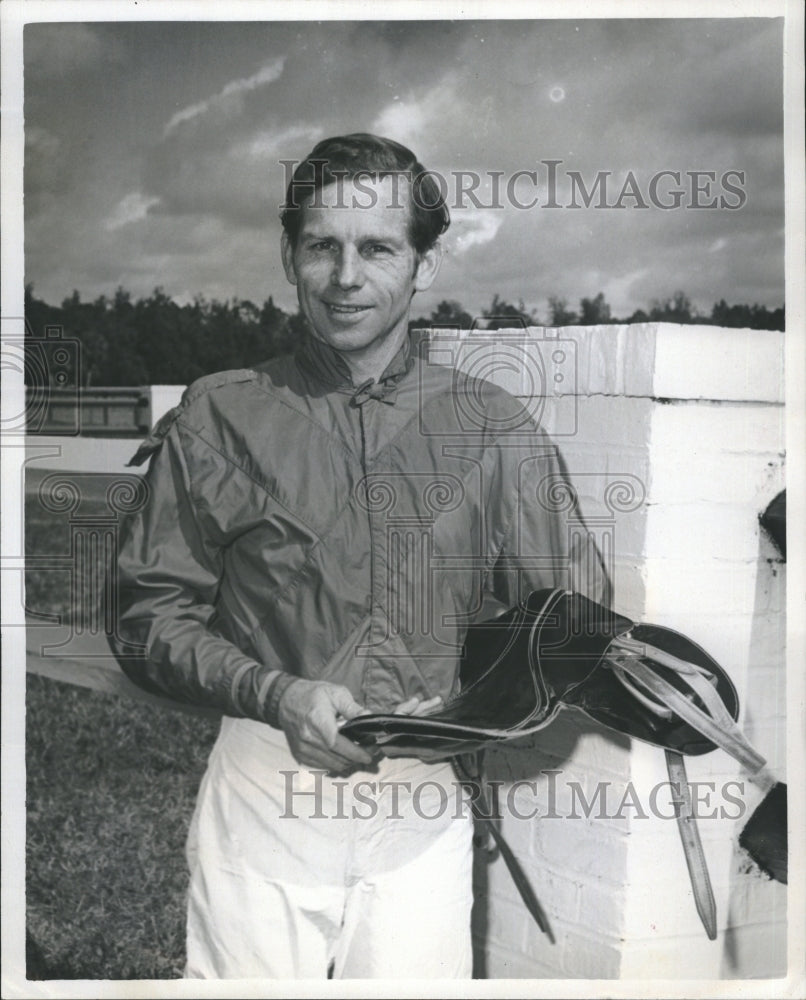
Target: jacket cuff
(274, 691)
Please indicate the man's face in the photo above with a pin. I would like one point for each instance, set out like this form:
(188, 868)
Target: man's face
(354, 267)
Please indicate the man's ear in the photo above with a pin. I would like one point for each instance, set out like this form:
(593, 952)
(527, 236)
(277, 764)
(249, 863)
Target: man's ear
(287, 252)
(428, 266)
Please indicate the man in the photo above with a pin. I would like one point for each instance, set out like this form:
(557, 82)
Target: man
(321, 531)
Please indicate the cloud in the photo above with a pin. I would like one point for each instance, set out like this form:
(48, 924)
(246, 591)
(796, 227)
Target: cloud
(265, 75)
(474, 227)
(407, 120)
(43, 169)
(404, 119)
(60, 50)
(619, 291)
(185, 115)
(130, 208)
(740, 104)
(156, 133)
(241, 181)
(271, 142)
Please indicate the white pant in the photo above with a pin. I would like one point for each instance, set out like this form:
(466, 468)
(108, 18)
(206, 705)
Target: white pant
(293, 872)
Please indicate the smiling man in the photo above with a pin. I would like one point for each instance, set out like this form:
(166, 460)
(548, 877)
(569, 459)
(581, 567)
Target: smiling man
(356, 269)
(321, 531)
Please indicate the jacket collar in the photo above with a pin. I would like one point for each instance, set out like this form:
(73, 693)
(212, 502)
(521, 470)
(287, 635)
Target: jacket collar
(328, 366)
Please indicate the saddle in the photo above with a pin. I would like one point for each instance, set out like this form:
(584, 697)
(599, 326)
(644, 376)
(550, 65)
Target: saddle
(560, 650)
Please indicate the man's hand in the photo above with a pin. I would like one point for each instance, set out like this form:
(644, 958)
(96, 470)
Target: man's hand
(309, 713)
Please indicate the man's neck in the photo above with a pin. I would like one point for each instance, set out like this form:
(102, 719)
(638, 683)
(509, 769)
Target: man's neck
(370, 364)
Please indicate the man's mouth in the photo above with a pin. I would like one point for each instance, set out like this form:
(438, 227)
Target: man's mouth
(345, 310)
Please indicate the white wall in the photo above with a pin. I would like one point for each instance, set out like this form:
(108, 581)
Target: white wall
(692, 418)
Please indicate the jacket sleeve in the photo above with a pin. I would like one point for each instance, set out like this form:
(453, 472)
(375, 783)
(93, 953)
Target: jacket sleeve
(546, 542)
(169, 571)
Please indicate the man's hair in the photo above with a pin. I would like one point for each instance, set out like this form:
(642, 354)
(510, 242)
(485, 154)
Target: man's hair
(344, 157)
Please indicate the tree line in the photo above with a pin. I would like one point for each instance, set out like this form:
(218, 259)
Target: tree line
(596, 311)
(153, 340)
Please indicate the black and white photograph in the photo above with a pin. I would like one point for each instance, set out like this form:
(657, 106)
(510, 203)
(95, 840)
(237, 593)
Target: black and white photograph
(401, 410)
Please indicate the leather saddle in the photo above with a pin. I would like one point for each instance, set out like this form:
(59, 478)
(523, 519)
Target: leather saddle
(560, 650)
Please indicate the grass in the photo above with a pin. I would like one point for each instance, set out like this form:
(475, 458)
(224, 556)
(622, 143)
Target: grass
(111, 785)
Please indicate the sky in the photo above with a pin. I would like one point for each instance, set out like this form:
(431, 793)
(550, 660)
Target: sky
(153, 152)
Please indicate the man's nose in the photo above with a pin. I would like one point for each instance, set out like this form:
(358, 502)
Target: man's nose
(347, 269)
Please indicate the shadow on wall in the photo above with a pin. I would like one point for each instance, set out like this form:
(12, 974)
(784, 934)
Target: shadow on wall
(756, 936)
(524, 760)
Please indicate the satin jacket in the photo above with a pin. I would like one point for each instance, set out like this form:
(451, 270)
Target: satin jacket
(299, 523)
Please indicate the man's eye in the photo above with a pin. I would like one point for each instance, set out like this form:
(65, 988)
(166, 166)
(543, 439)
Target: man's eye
(321, 245)
(378, 248)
